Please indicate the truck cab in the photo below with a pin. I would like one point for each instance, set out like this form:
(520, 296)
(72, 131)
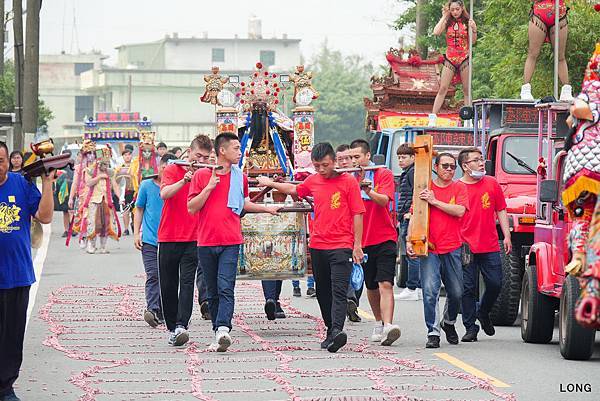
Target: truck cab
(545, 285)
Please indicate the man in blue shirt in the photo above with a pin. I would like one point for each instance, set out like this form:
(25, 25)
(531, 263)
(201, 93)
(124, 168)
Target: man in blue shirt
(20, 201)
(148, 208)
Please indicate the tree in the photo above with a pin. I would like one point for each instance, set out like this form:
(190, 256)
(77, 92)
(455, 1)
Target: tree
(342, 82)
(7, 96)
(501, 49)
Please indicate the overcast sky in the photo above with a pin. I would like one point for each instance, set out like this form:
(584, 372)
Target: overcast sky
(352, 26)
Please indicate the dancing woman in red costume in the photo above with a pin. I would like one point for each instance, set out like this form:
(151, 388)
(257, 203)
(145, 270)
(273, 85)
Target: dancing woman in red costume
(455, 22)
(541, 30)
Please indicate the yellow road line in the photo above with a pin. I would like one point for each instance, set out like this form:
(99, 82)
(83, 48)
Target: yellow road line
(364, 314)
(470, 369)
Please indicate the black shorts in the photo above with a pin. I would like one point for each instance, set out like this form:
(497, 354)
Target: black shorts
(381, 265)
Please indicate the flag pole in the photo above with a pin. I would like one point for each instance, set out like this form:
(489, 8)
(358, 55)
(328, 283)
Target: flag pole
(556, 40)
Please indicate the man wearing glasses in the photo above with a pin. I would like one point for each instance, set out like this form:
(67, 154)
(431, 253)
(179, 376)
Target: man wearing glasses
(448, 202)
(486, 202)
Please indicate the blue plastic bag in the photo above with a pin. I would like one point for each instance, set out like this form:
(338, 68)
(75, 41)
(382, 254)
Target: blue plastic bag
(357, 278)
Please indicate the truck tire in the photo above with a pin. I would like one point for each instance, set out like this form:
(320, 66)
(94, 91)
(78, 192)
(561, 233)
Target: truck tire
(537, 311)
(506, 308)
(576, 342)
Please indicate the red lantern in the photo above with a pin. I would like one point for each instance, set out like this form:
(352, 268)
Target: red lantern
(274, 75)
(259, 65)
(251, 83)
(255, 74)
(275, 85)
(243, 83)
(252, 92)
(268, 92)
(266, 73)
(266, 82)
(278, 89)
(276, 101)
(242, 101)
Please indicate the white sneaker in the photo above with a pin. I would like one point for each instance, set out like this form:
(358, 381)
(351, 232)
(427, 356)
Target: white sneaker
(377, 335)
(103, 250)
(566, 93)
(526, 92)
(171, 338)
(90, 247)
(391, 333)
(222, 339)
(83, 243)
(408, 295)
(181, 336)
(432, 120)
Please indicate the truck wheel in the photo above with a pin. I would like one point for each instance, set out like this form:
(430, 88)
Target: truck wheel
(506, 308)
(537, 311)
(576, 342)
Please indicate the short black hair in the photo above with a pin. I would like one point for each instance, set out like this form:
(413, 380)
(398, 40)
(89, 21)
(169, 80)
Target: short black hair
(203, 142)
(362, 144)
(224, 138)
(3, 146)
(129, 147)
(322, 150)
(161, 145)
(342, 148)
(167, 156)
(405, 149)
(126, 150)
(464, 154)
(444, 154)
(175, 149)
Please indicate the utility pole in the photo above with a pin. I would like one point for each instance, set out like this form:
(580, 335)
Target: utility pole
(18, 39)
(32, 57)
(2, 36)
(421, 27)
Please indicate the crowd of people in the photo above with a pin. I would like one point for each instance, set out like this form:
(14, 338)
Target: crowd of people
(360, 218)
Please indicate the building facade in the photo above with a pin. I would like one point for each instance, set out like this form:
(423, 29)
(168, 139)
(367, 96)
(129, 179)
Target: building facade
(162, 80)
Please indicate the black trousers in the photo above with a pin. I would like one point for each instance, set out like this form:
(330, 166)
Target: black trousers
(13, 316)
(332, 269)
(177, 264)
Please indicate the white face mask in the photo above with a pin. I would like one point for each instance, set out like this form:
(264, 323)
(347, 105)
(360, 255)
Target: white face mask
(476, 174)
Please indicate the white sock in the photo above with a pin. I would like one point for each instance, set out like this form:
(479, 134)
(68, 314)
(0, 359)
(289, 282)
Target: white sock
(378, 324)
(386, 325)
(223, 328)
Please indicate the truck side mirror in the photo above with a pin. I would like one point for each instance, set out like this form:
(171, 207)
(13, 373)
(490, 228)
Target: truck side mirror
(379, 159)
(549, 191)
(489, 167)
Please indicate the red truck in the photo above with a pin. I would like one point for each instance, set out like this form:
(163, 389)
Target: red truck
(545, 286)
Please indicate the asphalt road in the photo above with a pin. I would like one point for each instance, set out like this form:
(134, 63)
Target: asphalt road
(86, 340)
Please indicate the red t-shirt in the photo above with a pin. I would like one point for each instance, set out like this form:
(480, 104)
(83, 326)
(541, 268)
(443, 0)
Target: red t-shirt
(218, 225)
(444, 229)
(337, 201)
(176, 224)
(378, 224)
(479, 223)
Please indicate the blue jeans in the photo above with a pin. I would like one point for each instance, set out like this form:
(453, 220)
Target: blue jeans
(413, 281)
(152, 290)
(490, 266)
(272, 289)
(219, 265)
(435, 269)
(310, 282)
(200, 284)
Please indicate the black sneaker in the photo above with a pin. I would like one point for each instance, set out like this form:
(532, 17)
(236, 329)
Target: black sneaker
(297, 292)
(451, 334)
(65, 235)
(433, 342)
(486, 324)
(325, 343)
(469, 337)
(311, 292)
(151, 318)
(338, 340)
(126, 232)
(279, 313)
(270, 307)
(352, 311)
(205, 311)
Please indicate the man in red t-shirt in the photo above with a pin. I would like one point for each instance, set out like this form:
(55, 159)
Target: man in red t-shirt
(218, 197)
(335, 239)
(379, 241)
(177, 255)
(448, 202)
(486, 202)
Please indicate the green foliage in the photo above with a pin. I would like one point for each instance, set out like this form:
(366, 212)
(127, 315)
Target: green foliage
(500, 53)
(7, 96)
(342, 82)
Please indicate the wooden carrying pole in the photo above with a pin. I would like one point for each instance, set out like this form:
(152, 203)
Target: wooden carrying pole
(470, 88)
(419, 234)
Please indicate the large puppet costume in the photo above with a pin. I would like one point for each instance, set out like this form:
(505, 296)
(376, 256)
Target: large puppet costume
(97, 213)
(581, 194)
(87, 157)
(146, 163)
(455, 22)
(541, 30)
